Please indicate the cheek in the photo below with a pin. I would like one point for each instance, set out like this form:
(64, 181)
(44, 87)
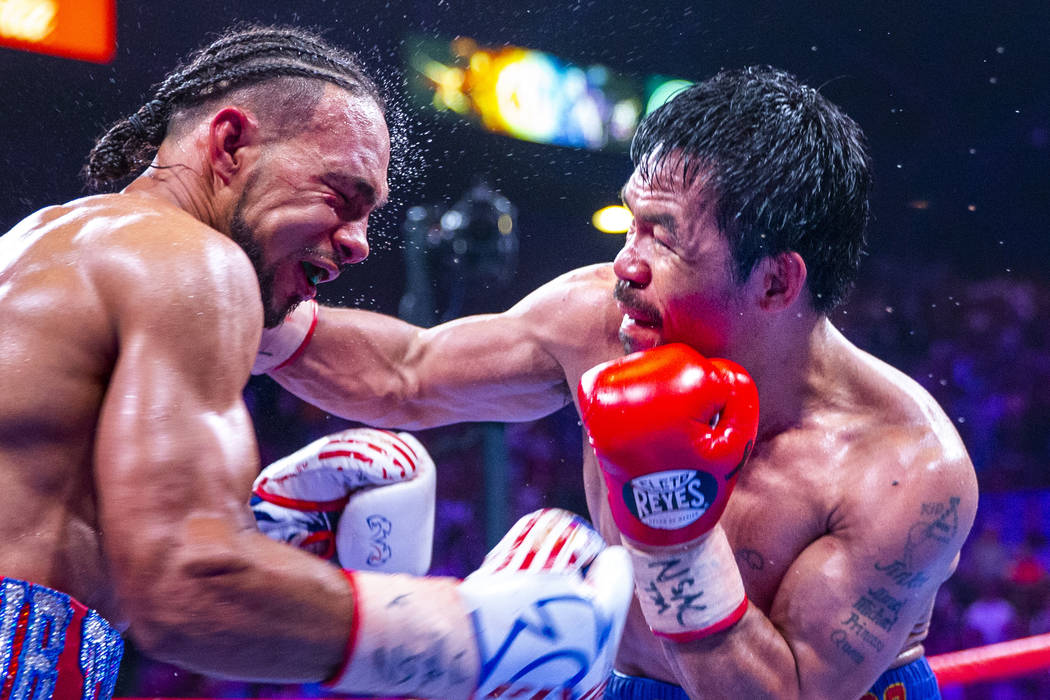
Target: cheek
(707, 332)
(297, 226)
(702, 321)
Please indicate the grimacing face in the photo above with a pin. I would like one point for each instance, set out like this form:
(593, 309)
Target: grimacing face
(675, 280)
(303, 213)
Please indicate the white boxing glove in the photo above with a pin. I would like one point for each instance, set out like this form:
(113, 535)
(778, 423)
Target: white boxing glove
(283, 344)
(391, 528)
(506, 634)
(549, 539)
(362, 497)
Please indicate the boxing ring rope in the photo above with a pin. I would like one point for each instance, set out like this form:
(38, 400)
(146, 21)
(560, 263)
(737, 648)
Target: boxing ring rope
(1018, 657)
(994, 662)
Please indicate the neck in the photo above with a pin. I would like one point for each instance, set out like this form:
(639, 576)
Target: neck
(181, 179)
(794, 371)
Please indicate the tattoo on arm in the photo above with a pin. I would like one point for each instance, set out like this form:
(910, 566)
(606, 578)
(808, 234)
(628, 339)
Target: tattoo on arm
(877, 607)
(938, 525)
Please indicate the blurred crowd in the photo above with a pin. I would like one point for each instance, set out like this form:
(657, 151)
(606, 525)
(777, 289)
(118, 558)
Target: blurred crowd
(981, 347)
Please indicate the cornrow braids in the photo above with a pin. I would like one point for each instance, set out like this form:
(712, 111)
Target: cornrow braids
(241, 58)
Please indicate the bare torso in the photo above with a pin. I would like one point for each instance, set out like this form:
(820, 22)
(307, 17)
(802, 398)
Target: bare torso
(846, 519)
(59, 347)
(801, 484)
(58, 351)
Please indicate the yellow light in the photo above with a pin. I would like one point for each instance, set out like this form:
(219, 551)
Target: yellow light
(614, 219)
(505, 224)
(525, 92)
(28, 20)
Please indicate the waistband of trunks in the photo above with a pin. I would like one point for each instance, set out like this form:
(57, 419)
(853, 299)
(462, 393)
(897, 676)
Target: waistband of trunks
(53, 647)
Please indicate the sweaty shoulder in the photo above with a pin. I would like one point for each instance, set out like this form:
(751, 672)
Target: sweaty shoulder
(907, 459)
(577, 318)
(155, 265)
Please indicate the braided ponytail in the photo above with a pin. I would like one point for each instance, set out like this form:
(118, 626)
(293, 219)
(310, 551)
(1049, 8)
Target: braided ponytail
(240, 58)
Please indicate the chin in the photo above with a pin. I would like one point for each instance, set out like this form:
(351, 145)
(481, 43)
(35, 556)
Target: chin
(633, 344)
(274, 314)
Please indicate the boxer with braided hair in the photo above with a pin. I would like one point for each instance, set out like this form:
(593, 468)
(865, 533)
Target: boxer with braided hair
(250, 63)
(127, 456)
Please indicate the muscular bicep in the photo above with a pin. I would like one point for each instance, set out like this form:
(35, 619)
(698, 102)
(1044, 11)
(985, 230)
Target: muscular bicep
(851, 599)
(174, 444)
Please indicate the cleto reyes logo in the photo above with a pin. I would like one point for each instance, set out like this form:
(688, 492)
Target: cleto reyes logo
(670, 499)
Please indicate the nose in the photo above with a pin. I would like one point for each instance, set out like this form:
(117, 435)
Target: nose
(351, 242)
(630, 265)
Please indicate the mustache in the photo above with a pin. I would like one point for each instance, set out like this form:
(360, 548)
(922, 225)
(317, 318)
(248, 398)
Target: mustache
(624, 293)
(336, 259)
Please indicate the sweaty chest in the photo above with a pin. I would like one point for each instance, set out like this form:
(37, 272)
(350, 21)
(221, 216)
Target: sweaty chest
(772, 516)
(769, 521)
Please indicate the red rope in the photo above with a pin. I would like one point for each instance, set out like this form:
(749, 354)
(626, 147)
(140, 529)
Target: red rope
(993, 662)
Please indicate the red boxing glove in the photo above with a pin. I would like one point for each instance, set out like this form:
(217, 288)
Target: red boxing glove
(671, 430)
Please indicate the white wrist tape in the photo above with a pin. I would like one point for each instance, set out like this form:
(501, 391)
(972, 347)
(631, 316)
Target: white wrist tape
(391, 528)
(283, 344)
(410, 637)
(688, 593)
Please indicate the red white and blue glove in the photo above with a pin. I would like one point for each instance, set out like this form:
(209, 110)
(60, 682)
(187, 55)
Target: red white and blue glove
(549, 539)
(672, 430)
(528, 624)
(363, 498)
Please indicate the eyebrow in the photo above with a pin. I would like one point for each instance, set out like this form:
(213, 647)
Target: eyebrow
(665, 220)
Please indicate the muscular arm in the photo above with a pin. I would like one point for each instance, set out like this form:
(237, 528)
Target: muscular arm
(500, 367)
(174, 459)
(849, 600)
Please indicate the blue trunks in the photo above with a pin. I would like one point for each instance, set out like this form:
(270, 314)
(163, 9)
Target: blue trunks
(54, 648)
(914, 681)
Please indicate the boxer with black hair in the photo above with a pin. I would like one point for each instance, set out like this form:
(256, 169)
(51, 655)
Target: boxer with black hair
(815, 577)
(127, 455)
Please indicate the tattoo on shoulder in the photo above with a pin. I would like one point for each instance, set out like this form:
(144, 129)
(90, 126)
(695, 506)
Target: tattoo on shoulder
(937, 526)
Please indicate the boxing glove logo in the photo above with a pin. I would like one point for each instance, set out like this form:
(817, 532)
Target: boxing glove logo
(671, 499)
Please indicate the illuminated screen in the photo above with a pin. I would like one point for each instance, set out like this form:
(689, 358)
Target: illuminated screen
(533, 95)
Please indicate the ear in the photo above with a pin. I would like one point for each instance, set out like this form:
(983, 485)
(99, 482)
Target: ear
(781, 279)
(230, 130)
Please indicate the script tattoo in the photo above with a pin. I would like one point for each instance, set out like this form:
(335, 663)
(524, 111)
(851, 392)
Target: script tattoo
(856, 625)
(840, 639)
(902, 575)
(939, 523)
(676, 593)
(879, 607)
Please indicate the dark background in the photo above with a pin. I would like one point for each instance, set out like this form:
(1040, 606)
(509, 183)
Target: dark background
(955, 103)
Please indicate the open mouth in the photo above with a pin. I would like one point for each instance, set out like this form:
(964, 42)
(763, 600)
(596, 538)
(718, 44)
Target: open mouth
(314, 274)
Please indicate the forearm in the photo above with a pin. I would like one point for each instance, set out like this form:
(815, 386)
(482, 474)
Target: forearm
(356, 365)
(750, 660)
(378, 370)
(236, 604)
